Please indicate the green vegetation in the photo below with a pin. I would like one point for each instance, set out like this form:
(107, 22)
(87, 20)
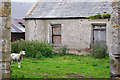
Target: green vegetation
(67, 66)
(39, 62)
(63, 50)
(34, 49)
(99, 16)
(106, 15)
(99, 50)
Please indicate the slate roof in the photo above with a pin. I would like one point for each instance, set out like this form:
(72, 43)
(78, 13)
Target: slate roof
(69, 9)
(16, 27)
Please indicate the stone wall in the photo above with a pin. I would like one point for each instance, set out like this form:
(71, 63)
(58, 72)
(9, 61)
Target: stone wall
(115, 48)
(77, 34)
(5, 39)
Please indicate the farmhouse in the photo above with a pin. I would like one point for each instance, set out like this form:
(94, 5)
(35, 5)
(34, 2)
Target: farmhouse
(67, 23)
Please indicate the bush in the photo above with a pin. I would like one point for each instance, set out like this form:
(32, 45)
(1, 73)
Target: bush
(99, 50)
(34, 49)
(15, 46)
(63, 50)
(38, 55)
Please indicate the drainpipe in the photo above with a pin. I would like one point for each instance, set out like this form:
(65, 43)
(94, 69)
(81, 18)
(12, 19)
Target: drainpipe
(5, 38)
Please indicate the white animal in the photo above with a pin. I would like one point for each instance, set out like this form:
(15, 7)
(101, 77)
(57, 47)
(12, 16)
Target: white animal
(17, 57)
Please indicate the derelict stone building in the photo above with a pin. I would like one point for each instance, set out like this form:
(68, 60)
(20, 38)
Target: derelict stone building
(66, 23)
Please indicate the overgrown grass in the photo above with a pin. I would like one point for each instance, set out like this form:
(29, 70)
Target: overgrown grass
(68, 66)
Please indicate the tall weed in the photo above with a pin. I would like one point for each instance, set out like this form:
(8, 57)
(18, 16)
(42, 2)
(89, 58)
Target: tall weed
(99, 50)
(34, 49)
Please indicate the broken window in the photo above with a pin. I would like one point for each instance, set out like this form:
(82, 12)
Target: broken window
(99, 34)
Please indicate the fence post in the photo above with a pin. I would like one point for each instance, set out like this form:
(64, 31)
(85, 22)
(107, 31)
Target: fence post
(5, 38)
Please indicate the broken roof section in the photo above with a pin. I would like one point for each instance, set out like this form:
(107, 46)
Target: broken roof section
(18, 26)
(68, 9)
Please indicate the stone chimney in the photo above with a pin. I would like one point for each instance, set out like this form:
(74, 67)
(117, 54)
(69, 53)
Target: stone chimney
(5, 38)
(115, 48)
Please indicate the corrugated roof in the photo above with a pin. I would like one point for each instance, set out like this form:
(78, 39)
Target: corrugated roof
(69, 9)
(16, 27)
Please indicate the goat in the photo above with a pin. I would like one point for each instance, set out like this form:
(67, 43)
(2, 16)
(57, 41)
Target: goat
(17, 57)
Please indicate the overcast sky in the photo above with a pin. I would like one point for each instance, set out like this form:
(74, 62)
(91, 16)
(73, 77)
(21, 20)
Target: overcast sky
(19, 8)
(23, 0)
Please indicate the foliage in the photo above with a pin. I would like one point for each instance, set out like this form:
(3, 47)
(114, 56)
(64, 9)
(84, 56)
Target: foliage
(99, 16)
(15, 46)
(67, 66)
(34, 49)
(99, 50)
(39, 55)
(63, 50)
(106, 15)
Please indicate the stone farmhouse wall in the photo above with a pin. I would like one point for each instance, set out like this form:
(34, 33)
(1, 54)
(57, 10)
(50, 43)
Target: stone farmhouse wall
(77, 34)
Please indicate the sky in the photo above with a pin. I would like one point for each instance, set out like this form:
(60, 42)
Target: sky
(63, 0)
(23, 0)
(20, 9)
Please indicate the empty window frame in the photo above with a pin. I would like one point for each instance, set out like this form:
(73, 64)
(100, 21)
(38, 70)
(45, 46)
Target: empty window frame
(99, 34)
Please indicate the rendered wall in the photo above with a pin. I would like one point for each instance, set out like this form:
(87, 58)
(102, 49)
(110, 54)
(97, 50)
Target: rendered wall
(77, 34)
(35, 30)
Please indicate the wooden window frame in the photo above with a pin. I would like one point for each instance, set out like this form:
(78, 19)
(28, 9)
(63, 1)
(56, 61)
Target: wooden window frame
(97, 24)
(52, 35)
